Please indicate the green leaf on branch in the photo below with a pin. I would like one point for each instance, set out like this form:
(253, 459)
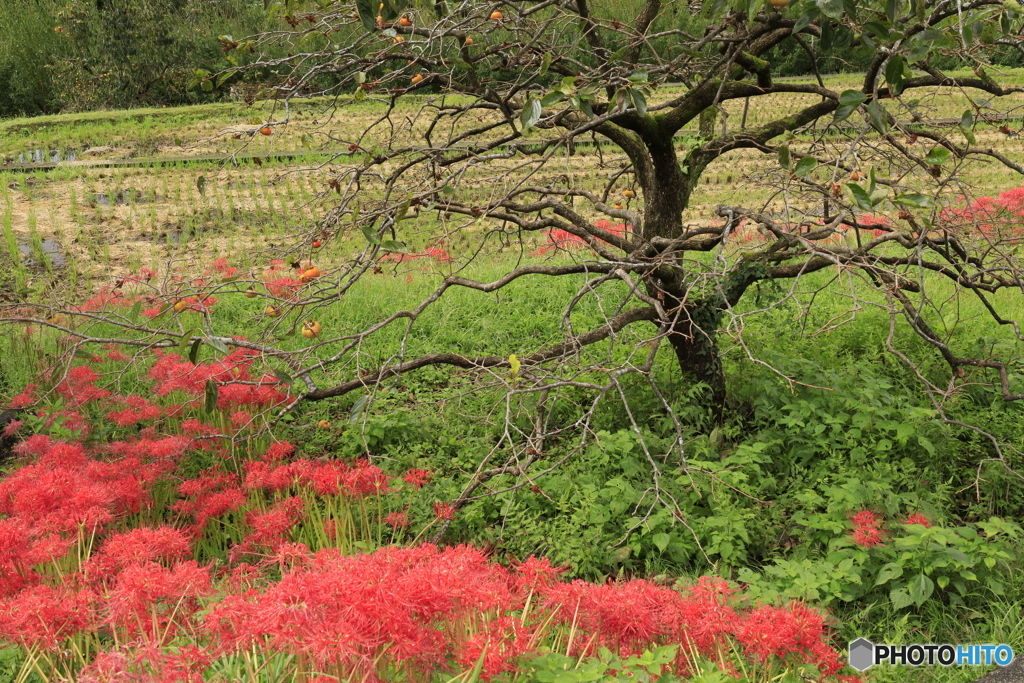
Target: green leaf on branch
(193, 353)
(370, 235)
(937, 156)
(133, 314)
(833, 9)
(913, 199)
(805, 166)
(967, 126)
(639, 101)
(784, 159)
(894, 74)
(216, 344)
(531, 114)
(877, 116)
(553, 97)
(860, 196)
(365, 9)
(849, 100)
(211, 396)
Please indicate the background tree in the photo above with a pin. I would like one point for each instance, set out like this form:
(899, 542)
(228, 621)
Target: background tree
(536, 78)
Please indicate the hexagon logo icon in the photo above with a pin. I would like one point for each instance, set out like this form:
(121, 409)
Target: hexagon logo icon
(862, 654)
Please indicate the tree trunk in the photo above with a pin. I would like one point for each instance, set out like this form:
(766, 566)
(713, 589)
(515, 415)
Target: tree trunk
(694, 339)
(693, 332)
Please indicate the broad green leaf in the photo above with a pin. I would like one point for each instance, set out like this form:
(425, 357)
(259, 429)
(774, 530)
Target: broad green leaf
(853, 97)
(193, 353)
(514, 365)
(211, 396)
(201, 184)
(860, 196)
(803, 22)
(877, 116)
(370, 235)
(638, 77)
(900, 598)
(186, 339)
(843, 112)
(133, 314)
(967, 126)
(216, 344)
(937, 156)
(531, 113)
(282, 376)
(391, 245)
(545, 64)
(894, 74)
(920, 588)
(889, 572)
(833, 9)
(661, 541)
(784, 159)
(367, 14)
(402, 209)
(553, 97)
(805, 166)
(639, 101)
(919, 201)
(358, 407)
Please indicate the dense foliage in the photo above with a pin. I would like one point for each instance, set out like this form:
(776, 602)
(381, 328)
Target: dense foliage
(65, 55)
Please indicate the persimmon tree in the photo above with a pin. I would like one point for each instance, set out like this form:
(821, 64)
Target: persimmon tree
(485, 110)
(518, 86)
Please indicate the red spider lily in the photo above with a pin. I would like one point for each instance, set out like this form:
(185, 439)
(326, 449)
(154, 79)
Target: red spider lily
(434, 251)
(139, 546)
(240, 418)
(138, 410)
(562, 239)
(536, 573)
(417, 478)
(796, 632)
(867, 531)
(12, 428)
(65, 489)
(152, 602)
(79, 387)
(444, 510)
(506, 639)
(283, 287)
(235, 386)
(271, 529)
(279, 450)
(25, 398)
(343, 610)
(148, 664)
(398, 520)
(327, 479)
(44, 616)
(918, 518)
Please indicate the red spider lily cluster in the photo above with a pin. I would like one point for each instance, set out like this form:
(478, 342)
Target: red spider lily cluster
(868, 528)
(116, 565)
(437, 252)
(74, 566)
(562, 239)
